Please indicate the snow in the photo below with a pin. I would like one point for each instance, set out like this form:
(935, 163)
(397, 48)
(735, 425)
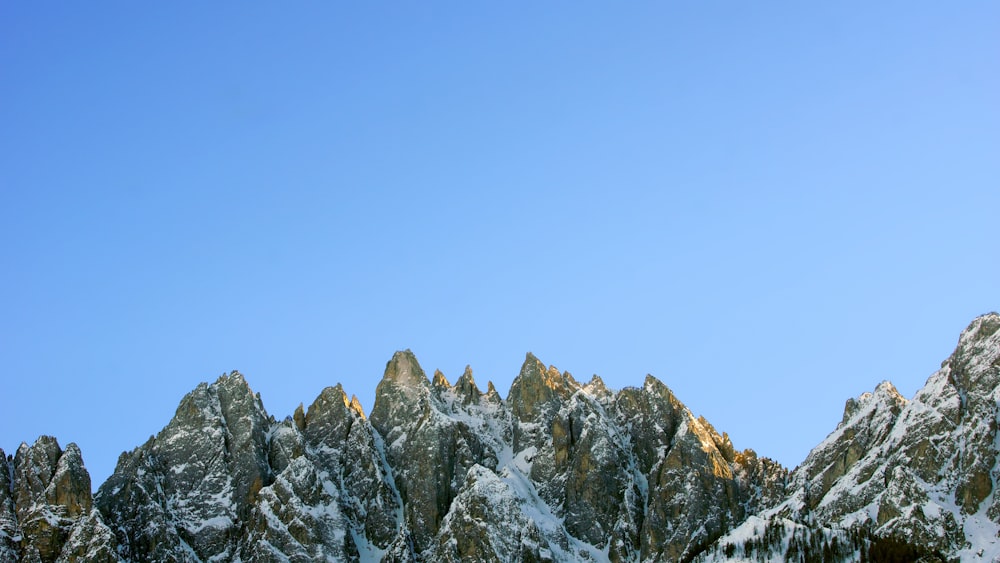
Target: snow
(217, 522)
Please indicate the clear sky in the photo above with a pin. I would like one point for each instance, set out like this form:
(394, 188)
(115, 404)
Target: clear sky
(771, 207)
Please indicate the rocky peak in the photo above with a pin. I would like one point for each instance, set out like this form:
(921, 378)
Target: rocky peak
(598, 389)
(439, 381)
(697, 484)
(466, 387)
(537, 389)
(70, 485)
(492, 394)
(401, 397)
(974, 366)
(34, 466)
(979, 331)
(867, 422)
(430, 443)
(404, 371)
(191, 486)
(885, 394)
(50, 490)
(355, 405)
(331, 416)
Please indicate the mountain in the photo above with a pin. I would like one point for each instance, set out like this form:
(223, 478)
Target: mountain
(919, 473)
(558, 470)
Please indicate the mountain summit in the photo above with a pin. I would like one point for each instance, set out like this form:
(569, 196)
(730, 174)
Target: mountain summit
(557, 471)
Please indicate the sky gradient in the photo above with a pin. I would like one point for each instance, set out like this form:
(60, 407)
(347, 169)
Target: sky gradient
(771, 208)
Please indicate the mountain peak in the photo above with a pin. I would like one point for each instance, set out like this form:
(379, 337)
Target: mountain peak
(982, 326)
(467, 375)
(491, 392)
(466, 387)
(440, 381)
(597, 388)
(232, 378)
(974, 367)
(404, 370)
(355, 405)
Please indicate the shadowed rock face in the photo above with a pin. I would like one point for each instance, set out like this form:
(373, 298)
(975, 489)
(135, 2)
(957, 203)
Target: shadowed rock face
(559, 471)
(190, 488)
(225, 480)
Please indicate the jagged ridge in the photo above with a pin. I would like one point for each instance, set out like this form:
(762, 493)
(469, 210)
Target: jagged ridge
(558, 470)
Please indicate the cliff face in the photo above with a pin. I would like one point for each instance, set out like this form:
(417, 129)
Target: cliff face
(558, 471)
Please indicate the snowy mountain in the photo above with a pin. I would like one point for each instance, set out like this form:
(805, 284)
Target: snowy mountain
(920, 472)
(558, 471)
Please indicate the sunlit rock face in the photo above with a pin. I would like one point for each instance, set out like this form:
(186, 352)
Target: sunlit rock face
(558, 471)
(698, 486)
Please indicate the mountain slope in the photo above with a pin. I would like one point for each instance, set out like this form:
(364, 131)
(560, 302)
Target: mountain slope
(923, 471)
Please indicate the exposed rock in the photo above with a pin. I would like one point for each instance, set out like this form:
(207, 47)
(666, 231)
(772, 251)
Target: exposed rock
(430, 451)
(91, 541)
(534, 398)
(189, 489)
(9, 537)
(466, 388)
(45, 509)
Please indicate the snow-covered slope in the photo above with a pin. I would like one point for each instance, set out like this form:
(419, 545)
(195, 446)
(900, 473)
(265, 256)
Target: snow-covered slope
(922, 472)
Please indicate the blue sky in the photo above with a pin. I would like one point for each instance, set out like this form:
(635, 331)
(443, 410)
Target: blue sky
(771, 207)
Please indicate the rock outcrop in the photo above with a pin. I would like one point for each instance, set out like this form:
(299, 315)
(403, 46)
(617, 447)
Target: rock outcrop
(46, 507)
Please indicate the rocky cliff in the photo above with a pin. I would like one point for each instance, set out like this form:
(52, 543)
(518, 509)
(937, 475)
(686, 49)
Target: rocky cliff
(558, 470)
